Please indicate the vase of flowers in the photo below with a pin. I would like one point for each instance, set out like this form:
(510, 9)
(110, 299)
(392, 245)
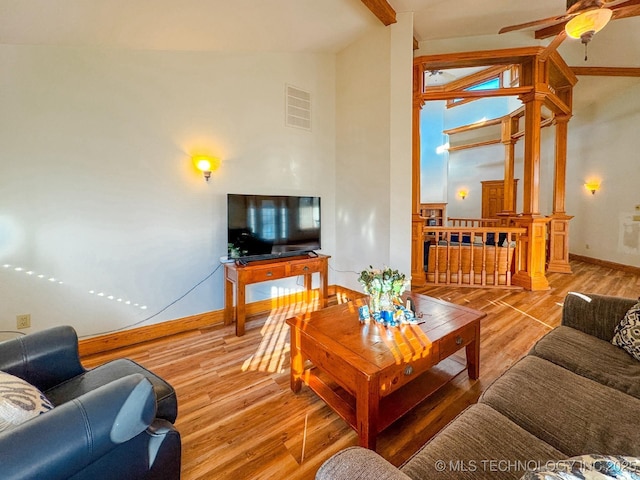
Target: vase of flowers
(384, 287)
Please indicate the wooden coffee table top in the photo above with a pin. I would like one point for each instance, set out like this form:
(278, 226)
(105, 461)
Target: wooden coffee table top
(372, 375)
(372, 347)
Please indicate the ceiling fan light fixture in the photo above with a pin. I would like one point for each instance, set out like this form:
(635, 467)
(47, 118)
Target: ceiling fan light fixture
(586, 24)
(438, 77)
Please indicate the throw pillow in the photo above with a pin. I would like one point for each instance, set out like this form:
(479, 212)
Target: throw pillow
(588, 467)
(19, 401)
(627, 333)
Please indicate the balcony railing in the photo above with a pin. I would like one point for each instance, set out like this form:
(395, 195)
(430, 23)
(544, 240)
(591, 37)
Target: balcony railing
(474, 222)
(480, 256)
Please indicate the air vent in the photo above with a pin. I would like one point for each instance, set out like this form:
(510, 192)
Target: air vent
(298, 107)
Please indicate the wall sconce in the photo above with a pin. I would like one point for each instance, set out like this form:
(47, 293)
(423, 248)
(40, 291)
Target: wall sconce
(462, 194)
(206, 165)
(593, 187)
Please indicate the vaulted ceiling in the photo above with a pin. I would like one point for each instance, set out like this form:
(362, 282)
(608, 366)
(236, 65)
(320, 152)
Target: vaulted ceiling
(292, 25)
(196, 25)
(283, 25)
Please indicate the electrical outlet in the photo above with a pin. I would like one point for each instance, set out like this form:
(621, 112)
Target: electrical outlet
(23, 321)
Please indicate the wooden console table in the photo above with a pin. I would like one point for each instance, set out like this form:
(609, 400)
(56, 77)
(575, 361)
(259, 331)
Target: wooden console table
(239, 276)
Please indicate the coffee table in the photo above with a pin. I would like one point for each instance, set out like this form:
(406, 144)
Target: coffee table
(372, 375)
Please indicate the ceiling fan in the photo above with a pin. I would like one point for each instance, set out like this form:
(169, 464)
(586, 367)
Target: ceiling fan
(582, 19)
(438, 77)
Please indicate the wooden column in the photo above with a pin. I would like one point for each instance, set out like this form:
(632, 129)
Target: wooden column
(509, 125)
(531, 271)
(532, 115)
(559, 225)
(418, 278)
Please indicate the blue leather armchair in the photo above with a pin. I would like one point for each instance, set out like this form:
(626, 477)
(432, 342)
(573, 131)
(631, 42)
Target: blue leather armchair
(106, 422)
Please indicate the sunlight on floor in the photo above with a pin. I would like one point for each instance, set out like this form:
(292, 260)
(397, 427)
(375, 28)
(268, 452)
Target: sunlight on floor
(274, 346)
(505, 304)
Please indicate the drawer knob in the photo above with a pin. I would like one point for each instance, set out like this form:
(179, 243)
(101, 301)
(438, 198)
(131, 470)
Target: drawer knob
(408, 370)
(306, 268)
(458, 340)
(269, 274)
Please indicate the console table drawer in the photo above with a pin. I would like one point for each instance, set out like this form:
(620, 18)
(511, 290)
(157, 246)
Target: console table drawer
(452, 343)
(306, 268)
(271, 272)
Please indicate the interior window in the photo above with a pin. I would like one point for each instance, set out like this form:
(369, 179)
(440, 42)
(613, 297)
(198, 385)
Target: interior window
(491, 83)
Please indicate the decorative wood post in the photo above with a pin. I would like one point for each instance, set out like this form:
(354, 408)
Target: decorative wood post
(530, 272)
(559, 226)
(509, 125)
(418, 278)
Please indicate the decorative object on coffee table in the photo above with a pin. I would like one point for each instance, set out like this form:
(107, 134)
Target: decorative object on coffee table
(385, 288)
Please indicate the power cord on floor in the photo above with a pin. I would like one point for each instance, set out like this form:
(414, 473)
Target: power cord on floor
(162, 309)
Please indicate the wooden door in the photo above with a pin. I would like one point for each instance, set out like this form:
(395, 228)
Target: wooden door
(493, 198)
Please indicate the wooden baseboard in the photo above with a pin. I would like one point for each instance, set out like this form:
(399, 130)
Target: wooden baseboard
(126, 338)
(344, 294)
(606, 264)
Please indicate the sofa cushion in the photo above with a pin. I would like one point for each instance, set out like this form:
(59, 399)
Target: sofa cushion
(358, 463)
(595, 314)
(569, 412)
(599, 467)
(19, 401)
(627, 333)
(590, 357)
(479, 443)
(167, 402)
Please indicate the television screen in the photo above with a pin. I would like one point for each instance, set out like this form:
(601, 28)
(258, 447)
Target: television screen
(270, 226)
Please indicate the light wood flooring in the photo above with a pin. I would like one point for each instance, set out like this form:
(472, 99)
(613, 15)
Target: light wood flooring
(239, 420)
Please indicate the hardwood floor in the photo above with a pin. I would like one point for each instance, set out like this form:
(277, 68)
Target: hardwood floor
(239, 419)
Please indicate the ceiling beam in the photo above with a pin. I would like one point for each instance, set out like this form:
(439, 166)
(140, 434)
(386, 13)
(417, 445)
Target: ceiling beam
(553, 46)
(381, 9)
(607, 71)
(549, 31)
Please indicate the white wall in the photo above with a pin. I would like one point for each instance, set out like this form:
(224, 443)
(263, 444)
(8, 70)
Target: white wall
(401, 124)
(373, 152)
(98, 191)
(434, 159)
(603, 146)
(477, 43)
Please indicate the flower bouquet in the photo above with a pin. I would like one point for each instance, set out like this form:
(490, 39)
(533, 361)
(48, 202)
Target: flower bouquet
(385, 288)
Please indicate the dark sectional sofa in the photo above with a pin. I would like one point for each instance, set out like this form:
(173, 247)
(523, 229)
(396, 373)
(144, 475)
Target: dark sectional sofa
(574, 393)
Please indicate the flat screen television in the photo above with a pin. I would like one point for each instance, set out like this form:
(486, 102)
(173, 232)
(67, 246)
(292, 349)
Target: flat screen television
(262, 227)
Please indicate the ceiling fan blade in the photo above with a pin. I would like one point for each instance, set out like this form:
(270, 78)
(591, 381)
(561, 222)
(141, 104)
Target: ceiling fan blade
(535, 23)
(581, 5)
(550, 31)
(613, 4)
(629, 9)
